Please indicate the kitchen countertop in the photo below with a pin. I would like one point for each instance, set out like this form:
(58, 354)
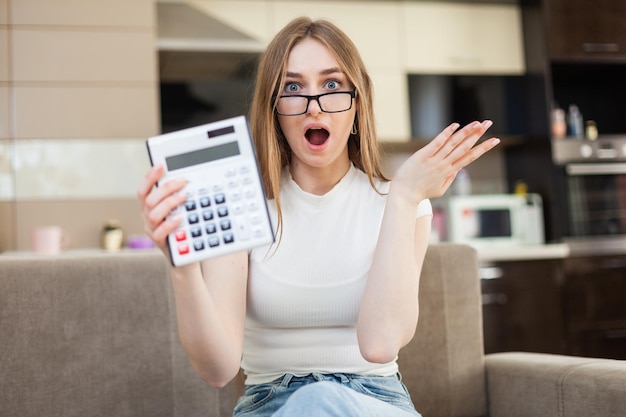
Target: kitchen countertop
(510, 253)
(524, 253)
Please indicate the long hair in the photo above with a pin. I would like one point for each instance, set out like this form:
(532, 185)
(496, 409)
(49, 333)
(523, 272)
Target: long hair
(271, 145)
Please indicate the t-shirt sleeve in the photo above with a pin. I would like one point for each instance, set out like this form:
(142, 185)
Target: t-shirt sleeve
(424, 208)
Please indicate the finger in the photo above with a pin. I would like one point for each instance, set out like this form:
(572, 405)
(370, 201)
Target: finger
(164, 192)
(476, 152)
(156, 215)
(152, 177)
(442, 138)
(167, 226)
(465, 139)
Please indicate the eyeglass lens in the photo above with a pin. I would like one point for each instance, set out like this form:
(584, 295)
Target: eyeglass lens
(329, 103)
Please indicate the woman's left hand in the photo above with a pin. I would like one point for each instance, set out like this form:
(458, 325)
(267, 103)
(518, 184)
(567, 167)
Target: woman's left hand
(429, 172)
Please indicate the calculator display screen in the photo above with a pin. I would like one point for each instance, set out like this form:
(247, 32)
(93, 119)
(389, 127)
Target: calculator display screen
(201, 156)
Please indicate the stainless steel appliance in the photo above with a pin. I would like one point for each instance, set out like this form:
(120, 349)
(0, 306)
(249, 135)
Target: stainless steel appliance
(592, 204)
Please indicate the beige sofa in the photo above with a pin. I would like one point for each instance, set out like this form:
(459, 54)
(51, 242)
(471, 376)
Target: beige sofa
(94, 334)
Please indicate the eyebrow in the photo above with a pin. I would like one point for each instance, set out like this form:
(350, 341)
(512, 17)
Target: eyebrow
(327, 71)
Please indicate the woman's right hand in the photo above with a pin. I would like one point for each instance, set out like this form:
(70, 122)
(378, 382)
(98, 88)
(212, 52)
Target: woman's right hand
(157, 203)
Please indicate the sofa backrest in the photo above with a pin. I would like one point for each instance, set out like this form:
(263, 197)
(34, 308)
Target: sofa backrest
(94, 334)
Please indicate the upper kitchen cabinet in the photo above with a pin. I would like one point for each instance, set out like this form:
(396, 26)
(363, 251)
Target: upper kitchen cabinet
(586, 29)
(458, 38)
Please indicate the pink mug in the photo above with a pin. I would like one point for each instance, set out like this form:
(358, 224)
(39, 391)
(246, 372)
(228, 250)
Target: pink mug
(49, 240)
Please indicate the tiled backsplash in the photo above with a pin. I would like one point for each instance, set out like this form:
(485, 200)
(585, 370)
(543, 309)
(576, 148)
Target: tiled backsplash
(7, 178)
(71, 168)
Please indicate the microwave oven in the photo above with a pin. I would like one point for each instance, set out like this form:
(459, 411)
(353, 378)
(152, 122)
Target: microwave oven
(496, 220)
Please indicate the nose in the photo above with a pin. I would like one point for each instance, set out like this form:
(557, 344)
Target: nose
(314, 109)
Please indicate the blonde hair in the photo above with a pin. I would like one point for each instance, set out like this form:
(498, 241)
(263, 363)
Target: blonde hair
(271, 146)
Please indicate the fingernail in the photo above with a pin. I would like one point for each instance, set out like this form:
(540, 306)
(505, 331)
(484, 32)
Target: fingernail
(487, 124)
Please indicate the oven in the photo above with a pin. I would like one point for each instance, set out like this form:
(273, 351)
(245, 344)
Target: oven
(592, 201)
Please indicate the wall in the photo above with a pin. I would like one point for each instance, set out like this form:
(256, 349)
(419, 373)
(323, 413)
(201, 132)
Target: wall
(78, 98)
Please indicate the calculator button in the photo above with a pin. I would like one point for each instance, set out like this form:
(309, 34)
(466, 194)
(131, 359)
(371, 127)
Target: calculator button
(247, 180)
(207, 215)
(249, 193)
(242, 229)
(214, 241)
(231, 172)
(238, 208)
(203, 191)
(217, 188)
(220, 198)
(255, 219)
(225, 224)
(183, 249)
(205, 202)
(253, 206)
(198, 245)
(258, 232)
(190, 205)
(244, 169)
(210, 228)
(193, 218)
(196, 232)
(233, 184)
(235, 195)
(180, 235)
(222, 211)
(229, 238)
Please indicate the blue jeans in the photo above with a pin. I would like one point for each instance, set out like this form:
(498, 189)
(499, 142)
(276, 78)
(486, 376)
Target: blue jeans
(327, 395)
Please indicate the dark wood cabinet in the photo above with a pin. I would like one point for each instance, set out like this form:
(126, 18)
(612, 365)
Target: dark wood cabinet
(585, 29)
(522, 309)
(573, 306)
(595, 306)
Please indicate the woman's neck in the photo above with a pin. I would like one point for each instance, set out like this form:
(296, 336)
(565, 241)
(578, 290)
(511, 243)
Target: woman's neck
(318, 180)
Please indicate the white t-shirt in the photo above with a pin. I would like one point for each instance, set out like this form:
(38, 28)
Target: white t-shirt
(304, 294)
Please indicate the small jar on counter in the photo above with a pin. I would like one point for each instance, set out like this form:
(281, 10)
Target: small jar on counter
(112, 236)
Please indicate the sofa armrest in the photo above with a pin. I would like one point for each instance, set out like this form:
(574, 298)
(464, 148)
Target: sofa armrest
(534, 384)
(443, 365)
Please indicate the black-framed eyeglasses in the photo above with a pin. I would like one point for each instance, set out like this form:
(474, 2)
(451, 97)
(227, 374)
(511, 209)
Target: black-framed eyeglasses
(333, 102)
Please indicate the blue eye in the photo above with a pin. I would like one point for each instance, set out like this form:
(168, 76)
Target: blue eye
(292, 88)
(332, 84)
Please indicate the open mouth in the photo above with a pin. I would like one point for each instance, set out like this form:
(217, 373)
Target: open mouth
(317, 136)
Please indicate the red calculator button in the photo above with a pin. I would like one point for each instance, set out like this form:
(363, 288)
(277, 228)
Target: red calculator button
(180, 235)
(183, 249)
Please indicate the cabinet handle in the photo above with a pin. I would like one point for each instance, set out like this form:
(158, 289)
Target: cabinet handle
(615, 334)
(490, 272)
(496, 298)
(600, 48)
(612, 264)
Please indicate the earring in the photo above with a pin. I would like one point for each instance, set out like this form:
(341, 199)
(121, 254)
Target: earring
(353, 131)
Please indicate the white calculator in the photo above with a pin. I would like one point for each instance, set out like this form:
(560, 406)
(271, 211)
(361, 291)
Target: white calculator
(225, 210)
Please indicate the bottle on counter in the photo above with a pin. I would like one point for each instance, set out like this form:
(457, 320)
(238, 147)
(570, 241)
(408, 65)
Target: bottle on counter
(591, 130)
(575, 122)
(559, 126)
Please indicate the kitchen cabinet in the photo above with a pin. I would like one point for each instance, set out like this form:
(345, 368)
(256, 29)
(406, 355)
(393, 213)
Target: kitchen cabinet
(595, 306)
(586, 29)
(522, 308)
(447, 38)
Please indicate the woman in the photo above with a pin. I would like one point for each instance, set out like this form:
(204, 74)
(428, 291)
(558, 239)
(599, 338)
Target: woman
(317, 319)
